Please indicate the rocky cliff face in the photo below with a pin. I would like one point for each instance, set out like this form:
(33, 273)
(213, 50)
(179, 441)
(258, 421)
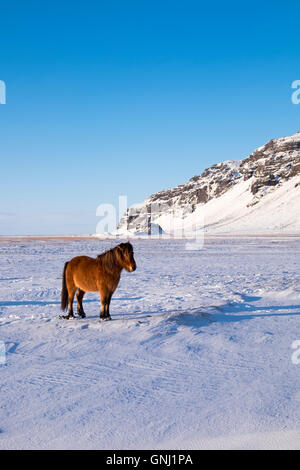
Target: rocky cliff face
(266, 169)
(270, 165)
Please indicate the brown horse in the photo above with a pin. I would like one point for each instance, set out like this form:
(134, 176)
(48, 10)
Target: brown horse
(101, 274)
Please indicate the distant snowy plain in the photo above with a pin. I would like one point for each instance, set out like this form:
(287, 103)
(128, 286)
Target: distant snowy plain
(198, 354)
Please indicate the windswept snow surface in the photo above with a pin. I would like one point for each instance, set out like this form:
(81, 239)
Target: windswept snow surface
(198, 355)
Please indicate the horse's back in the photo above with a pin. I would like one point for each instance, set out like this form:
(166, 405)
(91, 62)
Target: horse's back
(82, 259)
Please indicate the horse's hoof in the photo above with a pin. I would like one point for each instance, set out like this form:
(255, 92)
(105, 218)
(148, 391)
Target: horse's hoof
(105, 319)
(65, 317)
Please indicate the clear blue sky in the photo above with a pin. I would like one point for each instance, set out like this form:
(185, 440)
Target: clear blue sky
(107, 98)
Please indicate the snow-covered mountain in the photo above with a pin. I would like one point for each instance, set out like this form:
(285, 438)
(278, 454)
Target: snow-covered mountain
(259, 194)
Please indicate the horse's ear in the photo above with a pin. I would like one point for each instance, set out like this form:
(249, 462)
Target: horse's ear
(121, 247)
(125, 247)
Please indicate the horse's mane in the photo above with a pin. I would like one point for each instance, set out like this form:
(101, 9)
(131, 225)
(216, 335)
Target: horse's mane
(108, 259)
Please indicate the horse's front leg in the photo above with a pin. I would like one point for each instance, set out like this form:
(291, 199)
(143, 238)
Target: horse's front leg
(104, 312)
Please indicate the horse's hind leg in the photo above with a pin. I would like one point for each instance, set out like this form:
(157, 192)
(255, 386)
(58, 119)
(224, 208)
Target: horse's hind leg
(79, 297)
(71, 292)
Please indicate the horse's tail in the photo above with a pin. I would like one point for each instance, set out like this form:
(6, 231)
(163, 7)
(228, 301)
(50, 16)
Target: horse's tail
(64, 291)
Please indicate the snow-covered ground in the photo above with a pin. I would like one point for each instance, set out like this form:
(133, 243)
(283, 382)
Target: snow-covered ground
(198, 355)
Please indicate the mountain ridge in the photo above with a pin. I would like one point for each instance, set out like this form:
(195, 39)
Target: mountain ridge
(261, 174)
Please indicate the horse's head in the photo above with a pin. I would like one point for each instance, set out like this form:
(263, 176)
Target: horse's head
(125, 251)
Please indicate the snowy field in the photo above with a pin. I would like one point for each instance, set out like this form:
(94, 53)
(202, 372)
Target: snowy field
(198, 355)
